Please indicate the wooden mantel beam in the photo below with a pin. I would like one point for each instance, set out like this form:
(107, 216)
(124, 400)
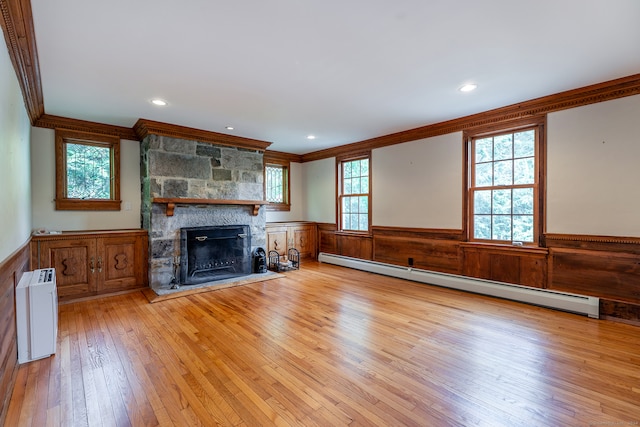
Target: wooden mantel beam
(172, 202)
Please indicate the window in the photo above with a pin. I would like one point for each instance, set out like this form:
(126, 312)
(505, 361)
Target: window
(504, 187)
(354, 194)
(87, 171)
(276, 184)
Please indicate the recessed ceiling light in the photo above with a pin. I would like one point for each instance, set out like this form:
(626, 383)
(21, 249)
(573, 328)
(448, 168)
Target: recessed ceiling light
(159, 102)
(468, 87)
(229, 127)
(311, 137)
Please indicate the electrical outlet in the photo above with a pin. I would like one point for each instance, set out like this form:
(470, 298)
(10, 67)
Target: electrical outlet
(127, 206)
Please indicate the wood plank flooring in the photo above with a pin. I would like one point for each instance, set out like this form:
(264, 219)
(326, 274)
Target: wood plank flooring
(329, 346)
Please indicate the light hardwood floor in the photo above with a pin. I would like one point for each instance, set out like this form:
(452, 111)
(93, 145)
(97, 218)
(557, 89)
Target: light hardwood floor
(329, 346)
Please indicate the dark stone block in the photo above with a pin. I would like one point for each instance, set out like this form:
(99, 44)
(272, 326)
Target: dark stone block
(153, 142)
(175, 188)
(175, 145)
(162, 249)
(250, 177)
(208, 150)
(179, 165)
(221, 175)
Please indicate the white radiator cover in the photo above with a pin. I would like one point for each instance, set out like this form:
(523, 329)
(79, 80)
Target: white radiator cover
(574, 303)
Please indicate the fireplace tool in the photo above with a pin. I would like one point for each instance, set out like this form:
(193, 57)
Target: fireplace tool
(175, 284)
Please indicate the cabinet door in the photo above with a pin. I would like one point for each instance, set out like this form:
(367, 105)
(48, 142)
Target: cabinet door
(277, 240)
(75, 264)
(120, 263)
(303, 240)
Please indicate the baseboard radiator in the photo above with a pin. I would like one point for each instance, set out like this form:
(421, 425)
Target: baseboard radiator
(574, 303)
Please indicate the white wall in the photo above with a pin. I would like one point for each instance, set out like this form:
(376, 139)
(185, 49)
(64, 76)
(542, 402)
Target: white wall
(319, 187)
(297, 198)
(15, 214)
(418, 184)
(593, 169)
(43, 178)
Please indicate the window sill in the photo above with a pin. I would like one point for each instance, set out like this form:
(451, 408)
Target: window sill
(278, 207)
(504, 247)
(87, 205)
(365, 234)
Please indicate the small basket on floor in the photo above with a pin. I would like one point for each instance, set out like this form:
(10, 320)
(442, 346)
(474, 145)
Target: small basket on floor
(289, 262)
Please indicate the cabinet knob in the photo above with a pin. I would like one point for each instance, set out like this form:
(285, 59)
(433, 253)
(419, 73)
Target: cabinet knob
(99, 264)
(92, 265)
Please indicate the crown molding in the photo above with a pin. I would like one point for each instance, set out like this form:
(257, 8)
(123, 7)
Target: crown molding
(17, 24)
(144, 127)
(57, 122)
(606, 91)
(270, 155)
(19, 34)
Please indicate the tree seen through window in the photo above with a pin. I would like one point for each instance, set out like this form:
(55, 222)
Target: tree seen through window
(503, 188)
(88, 171)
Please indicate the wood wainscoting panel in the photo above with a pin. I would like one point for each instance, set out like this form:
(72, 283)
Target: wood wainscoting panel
(605, 274)
(521, 266)
(11, 270)
(427, 254)
(327, 238)
(620, 310)
(355, 245)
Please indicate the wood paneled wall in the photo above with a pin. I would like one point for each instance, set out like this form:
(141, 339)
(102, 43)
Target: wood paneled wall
(11, 270)
(523, 266)
(429, 249)
(601, 266)
(347, 244)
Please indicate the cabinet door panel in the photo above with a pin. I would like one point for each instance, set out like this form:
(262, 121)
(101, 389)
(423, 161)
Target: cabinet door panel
(304, 241)
(118, 265)
(72, 260)
(277, 241)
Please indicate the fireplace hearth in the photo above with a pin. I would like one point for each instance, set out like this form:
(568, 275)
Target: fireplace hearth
(214, 253)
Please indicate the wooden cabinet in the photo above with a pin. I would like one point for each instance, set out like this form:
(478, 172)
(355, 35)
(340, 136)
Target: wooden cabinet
(300, 235)
(93, 263)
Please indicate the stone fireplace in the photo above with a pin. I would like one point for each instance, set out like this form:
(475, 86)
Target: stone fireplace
(214, 253)
(186, 171)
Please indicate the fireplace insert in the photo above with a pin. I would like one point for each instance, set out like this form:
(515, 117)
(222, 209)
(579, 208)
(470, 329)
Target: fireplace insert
(213, 253)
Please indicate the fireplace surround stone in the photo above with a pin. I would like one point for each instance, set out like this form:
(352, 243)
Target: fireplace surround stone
(183, 168)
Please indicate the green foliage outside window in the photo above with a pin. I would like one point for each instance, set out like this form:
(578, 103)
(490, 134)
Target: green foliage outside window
(355, 195)
(275, 183)
(88, 171)
(503, 187)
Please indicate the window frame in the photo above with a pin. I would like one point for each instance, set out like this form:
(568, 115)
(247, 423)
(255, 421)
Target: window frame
(537, 123)
(286, 166)
(340, 161)
(62, 202)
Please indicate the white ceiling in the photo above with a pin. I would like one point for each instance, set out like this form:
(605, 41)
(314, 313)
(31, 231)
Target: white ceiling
(343, 70)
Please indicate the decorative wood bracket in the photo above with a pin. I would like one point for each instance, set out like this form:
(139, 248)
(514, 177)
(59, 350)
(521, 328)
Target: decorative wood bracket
(172, 202)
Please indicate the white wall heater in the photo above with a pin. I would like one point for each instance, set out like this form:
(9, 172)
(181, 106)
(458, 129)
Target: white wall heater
(543, 297)
(37, 314)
